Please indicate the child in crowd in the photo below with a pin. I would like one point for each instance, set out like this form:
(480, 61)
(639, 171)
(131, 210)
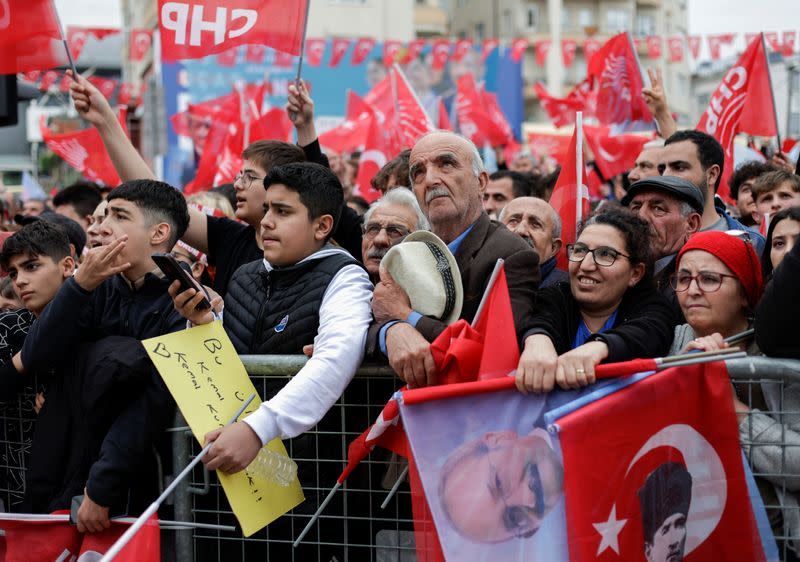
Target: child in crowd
(775, 191)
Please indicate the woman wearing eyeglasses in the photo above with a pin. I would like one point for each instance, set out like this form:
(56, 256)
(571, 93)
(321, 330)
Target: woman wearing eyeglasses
(718, 283)
(609, 311)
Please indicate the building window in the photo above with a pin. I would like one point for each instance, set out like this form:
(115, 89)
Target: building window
(531, 17)
(585, 17)
(617, 19)
(645, 25)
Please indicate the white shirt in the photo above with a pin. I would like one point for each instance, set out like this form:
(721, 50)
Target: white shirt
(344, 316)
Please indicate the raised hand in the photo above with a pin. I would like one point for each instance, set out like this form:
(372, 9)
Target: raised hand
(101, 263)
(89, 102)
(300, 108)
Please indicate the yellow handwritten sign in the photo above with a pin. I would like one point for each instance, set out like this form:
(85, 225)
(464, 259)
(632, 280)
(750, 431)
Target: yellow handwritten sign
(208, 381)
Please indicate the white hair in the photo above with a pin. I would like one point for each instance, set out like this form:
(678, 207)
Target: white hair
(478, 166)
(400, 196)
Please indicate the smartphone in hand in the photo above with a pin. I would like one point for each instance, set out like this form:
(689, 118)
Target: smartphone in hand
(174, 272)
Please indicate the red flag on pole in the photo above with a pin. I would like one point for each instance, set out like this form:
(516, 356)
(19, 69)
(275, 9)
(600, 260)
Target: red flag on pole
(560, 110)
(85, 152)
(570, 197)
(440, 52)
(191, 30)
(518, 48)
(414, 50)
(274, 124)
(76, 40)
(375, 155)
(315, 50)
(339, 48)
(675, 47)
(361, 51)
(352, 132)
(49, 78)
(542, 49)
(500, 354)
(412, 119)
(590, 47)
(391, 52)
(654, 46)
(568, 47)
(30, 36)
(665, 457)
(140, 42)
(613, 154)
(474, 119)
(546, 145)
(618, 81)
(694, 42)
(741, 103)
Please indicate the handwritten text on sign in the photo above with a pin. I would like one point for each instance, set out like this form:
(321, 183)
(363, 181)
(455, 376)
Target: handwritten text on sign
(208, 381)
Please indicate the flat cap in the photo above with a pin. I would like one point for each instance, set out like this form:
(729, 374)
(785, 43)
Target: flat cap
(675, 186)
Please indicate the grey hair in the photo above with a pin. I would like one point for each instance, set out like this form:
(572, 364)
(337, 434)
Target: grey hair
(554, 216)
(400, 196)
(478, 166)
(686, 210)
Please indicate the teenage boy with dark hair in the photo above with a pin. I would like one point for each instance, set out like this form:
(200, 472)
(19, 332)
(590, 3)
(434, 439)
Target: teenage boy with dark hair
(227, 243)
(77, 202)
(117, 291)
(37, 259)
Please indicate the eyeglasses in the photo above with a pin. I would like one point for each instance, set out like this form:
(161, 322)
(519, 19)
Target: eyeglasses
(393, 231)
(602, 255)
(707, 281)
(246, 179)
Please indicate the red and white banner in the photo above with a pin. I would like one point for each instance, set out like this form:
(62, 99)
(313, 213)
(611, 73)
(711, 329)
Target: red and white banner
(140, 42)
(85, 152)
(339, 48)
(107, 86)
(547, 145)
(654, 46)
(518, 48)
(391, 52)
(125, 95)
(789, 38)
(49, 79)
(772, 40)
(30, 37)
(315, 50)
(440, 52)
(675, 48)
(351, 134)
(542, 48)
(362, 50)
(560, 110)
(461, 49)
(474, 119)
(568, 47)
(414, 50)
(613, 154)
(489, 45)
(715, 43)
(193, 29)
(694, 42)
(76, 40)
(255, 54)
(741, 103)
(618, 84)
(375, 155)
(590, 47)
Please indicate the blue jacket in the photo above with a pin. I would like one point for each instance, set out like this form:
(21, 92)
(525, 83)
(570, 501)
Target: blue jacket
(756, 238)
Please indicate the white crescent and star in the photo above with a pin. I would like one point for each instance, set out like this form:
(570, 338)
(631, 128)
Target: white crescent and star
(709, 486)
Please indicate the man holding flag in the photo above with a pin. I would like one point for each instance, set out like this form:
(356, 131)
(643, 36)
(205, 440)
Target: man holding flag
(448, 178)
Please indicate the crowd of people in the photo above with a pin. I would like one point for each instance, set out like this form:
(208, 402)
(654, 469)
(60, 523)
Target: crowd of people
(292, 263)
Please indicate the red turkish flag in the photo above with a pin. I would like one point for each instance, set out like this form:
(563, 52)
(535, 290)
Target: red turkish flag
(76, 40)
(772, 40)
(49, 78)
(85, 152)
(675, 47)
(105, 85)
(500, 354)
(666, 474)
(545, 145)
(789, 38)
(223, 108)
(654, 46)
(255, 54)
(315, 50)
(144, 546)
(412, 119)
(457, 353)
(715, 43)
(414, 50)
(391, 52)
(542, 48)
(590, 47)
(474, 121)
(362, 50)
(568, 47)
(375, 155)
(570, 197)
(30, 37)
(351, 134)
(26, 541)
(619, 84)
(613, 154)
(500, 133)
(273, 125)
(339, 48)
(518, 48)
(221, 157)
(32, 76)
(125, 93)
(63, 84)
(140, 42)
(741, 103)
(489, 45)
(462, 47)
(228, 58)
(443, 119)
(560, 110)
(694, 42)
(208, 27)
(440, 52)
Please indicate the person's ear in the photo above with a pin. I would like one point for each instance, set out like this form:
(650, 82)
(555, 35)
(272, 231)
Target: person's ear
(693, 222)
(483, 180)
(637, 272)
(557, 243)
(323, 226)
(160, 234)
(712, 174)
(67, 266)
(197, 269)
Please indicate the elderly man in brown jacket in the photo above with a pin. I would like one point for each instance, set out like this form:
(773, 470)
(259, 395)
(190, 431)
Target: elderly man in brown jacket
(448, 178)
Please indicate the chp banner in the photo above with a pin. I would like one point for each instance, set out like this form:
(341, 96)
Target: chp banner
(504, 482)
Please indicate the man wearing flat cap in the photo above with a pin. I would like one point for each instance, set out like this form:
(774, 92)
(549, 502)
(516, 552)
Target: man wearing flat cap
(664, 501)
(673, 206)
(448, 178)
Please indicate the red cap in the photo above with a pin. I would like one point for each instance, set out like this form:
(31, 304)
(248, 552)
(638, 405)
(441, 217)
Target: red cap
(737, 254)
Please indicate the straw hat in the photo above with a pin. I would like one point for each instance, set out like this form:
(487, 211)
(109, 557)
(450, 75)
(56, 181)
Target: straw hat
(426, 270)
